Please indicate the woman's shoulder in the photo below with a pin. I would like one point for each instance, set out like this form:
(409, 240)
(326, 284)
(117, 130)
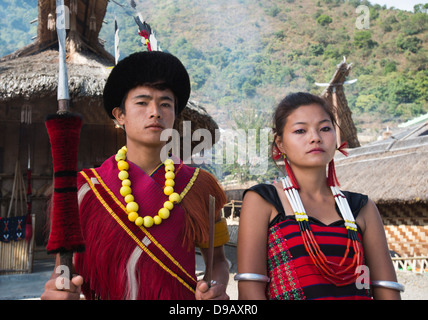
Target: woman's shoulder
(268, 193)
(261, 188)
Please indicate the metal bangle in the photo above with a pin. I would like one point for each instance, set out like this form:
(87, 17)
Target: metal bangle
(251, 277)
(388, 284)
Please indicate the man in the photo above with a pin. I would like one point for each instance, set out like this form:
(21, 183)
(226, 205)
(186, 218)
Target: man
(141, 219)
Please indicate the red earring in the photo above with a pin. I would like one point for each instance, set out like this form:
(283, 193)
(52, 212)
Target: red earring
(276, 153)
(290, 174)
(331, 176)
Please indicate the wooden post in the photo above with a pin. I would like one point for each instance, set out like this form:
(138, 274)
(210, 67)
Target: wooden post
(336, 114)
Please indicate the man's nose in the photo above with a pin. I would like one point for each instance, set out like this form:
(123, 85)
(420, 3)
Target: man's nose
(154, 110)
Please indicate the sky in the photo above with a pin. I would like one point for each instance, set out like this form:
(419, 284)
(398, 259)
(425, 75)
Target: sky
(399, 4)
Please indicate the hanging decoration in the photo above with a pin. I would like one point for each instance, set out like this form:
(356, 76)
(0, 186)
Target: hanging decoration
(116, 42)
(144, 31)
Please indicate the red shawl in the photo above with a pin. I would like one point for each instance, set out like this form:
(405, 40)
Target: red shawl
(164, 266)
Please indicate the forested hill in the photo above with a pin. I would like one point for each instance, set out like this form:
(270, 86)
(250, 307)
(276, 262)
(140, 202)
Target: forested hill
(244, 55)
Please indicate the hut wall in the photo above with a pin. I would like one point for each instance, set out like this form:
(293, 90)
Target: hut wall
(99, 139)
(406, 227)
(236, 195)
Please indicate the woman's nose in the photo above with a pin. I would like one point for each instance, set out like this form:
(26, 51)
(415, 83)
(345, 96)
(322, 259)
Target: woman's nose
(315, 137)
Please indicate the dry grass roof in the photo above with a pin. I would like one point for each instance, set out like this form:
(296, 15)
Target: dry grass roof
(36, 76)
(393, 170)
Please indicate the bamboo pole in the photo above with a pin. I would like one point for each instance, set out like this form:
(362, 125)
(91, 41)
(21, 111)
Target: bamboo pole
(30, 259)
(15, 254)
(336, 113)
(13, 192)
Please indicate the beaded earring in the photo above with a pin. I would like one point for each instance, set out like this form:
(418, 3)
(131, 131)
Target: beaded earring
(276, 155)
(290, 173)
(331, 176)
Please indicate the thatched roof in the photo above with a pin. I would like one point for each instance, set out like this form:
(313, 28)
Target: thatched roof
(200, 119)
(336, 96)
(36, 76)
(392, 170)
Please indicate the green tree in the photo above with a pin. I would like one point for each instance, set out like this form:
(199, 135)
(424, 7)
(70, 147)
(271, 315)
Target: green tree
(416, 24)
(412, 44)
(324, 20)
(316, 49)
(363, 40)
(402, 90)
(367, 103)
(390, 67)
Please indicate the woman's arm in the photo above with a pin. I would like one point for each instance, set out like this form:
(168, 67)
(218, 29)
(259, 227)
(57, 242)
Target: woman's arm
(252, 244)
(376, 251)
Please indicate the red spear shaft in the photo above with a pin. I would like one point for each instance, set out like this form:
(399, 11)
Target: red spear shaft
(64, 133)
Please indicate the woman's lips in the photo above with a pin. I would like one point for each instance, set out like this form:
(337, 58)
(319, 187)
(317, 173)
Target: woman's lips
(316, 150)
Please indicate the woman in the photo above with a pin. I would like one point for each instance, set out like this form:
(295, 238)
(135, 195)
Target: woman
(293, 241)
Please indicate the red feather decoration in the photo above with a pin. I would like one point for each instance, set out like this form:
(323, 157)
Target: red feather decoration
(291, 174)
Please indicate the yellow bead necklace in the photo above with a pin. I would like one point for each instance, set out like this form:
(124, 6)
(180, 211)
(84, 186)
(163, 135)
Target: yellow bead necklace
(132, 206)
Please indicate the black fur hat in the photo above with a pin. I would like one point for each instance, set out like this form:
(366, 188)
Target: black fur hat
(146, 67)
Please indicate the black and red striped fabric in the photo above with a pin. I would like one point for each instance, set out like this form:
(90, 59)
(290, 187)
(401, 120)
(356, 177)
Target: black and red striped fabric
(293, 275)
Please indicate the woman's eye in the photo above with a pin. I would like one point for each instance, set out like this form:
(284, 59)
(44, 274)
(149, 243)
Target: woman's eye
(326, 129)
(299, 131)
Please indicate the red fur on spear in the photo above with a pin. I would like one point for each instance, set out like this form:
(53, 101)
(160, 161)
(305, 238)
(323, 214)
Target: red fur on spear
(64, 133)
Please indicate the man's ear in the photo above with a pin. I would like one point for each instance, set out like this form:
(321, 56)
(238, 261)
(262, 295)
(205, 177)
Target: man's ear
(118, 114)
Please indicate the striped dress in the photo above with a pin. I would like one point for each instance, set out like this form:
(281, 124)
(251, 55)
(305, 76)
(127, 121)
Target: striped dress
(293, 275)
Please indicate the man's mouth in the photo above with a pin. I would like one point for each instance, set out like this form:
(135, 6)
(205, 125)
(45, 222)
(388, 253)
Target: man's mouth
(155, 126)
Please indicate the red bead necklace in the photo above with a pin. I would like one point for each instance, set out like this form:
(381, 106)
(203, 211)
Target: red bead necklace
(333, 272)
